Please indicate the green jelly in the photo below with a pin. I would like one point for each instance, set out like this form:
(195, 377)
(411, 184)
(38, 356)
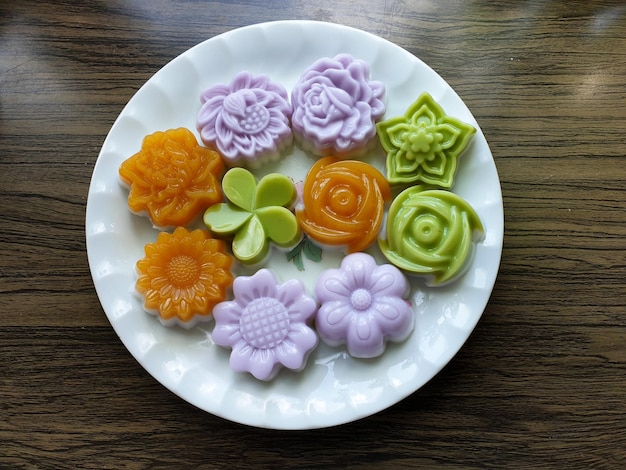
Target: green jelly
(423, 145)
(431, 232)
(255, 214)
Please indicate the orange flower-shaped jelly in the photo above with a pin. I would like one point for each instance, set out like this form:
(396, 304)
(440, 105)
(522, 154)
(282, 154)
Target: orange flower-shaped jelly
(172, 178)
(344, 202)
(183, 276)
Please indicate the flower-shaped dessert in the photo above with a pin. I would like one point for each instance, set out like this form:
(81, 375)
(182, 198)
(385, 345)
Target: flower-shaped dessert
(266, 325)
(172, 178)
(183, 275)
(335, 106)
(255, 214)
(343, 203)
(247, 120)
(363, 306)
(431, 233)
(424, 144)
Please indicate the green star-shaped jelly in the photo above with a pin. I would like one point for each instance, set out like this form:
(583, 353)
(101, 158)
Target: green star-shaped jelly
(424, 144)
(255, 214)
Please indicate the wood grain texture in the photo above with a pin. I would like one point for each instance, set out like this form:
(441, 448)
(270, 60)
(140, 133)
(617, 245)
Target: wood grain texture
(540, 383)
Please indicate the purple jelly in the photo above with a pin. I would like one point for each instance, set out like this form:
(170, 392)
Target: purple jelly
(265, 325)
(362, 305)
(336, 106)
(247, 120)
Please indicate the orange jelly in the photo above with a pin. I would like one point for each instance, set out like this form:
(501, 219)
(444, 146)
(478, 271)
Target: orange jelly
(343, 203)
(183, 276)
(172, 178)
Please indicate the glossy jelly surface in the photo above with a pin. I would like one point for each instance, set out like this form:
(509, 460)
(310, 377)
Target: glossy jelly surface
(343, 203)
(183, 275)
(363, 306)
(431, 233)
(336, 105)
(172, 179)
(266, 325)
(255, 214)
(423, 145)
(246, 119)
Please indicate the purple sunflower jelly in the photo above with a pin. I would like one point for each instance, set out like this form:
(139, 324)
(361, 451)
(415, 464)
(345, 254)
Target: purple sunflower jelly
(266, 325)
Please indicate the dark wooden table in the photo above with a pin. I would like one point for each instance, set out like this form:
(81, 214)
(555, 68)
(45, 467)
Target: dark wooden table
(541, 381)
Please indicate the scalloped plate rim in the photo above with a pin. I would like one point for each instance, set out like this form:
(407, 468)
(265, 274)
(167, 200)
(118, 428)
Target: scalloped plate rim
(275, 405)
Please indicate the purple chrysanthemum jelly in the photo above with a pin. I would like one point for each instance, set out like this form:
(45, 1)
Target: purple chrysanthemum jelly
(266, 325)
(363, 306)
(336, 106)
(247, 119)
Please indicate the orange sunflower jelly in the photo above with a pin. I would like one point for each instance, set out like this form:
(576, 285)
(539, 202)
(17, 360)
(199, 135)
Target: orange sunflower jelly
(172, 178)
(183, 276)
(343, 203)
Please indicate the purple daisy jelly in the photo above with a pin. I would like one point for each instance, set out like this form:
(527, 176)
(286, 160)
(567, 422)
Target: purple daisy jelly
(362, 305)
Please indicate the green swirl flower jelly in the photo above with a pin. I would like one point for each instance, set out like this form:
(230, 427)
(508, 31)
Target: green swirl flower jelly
(431, 232)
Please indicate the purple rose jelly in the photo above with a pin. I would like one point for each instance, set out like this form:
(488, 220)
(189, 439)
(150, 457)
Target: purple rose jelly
(336, 106)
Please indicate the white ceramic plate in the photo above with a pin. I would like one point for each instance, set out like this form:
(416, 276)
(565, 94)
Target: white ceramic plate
(333, 388)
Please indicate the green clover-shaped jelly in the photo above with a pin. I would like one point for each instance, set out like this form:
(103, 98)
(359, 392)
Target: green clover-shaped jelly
(424, 144)
(255, 214)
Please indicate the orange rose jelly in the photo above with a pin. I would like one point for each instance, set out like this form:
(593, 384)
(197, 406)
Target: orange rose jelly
(343, 203)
